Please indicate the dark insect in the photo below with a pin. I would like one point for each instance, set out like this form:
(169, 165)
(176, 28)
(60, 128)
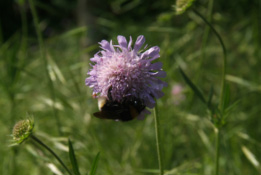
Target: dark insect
(124, 111)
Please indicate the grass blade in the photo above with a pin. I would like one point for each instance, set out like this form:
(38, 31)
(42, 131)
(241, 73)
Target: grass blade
(226, 98)
(192, 86)
(95, 164)
(251, 157)
(73, 158)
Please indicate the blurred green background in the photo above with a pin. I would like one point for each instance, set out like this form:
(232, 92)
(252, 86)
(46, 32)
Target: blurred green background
(71, 31)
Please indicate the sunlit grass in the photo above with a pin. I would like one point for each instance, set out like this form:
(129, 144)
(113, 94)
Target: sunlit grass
(187, 135)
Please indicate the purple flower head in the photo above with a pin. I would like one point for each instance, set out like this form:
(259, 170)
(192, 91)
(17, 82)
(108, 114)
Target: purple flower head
(125, 73)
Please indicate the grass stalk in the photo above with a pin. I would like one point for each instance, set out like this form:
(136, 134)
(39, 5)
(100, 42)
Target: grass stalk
(45, 61)
(52, 152)
(217, 151)
(206, 35)
(204, 44)
(223, 85)
(221, 104)
(158, 143)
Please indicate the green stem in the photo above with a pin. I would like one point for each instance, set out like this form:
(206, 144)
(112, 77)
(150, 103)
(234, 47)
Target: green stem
(203, 47)
(42, 50)
(222, 95)
(221, 104)
(158, 144)
(206, 34)
(52, 152)
(217, 151)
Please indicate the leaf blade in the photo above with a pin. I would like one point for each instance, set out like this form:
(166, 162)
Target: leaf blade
(95, 164)
(73, 158)
(192, 86)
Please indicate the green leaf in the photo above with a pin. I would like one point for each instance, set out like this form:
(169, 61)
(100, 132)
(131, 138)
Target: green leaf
(230, 108)
(192, 86)
(73, 159)
(226, 97)
(95, 164)
(75, 31)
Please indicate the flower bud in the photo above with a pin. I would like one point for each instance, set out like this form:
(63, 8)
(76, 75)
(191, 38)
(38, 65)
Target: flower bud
(22, 130)
(182, 5)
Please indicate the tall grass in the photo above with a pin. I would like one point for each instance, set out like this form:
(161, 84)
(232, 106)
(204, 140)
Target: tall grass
(42, 77)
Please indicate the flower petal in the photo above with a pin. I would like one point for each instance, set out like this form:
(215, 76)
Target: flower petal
(141, 116)
(122, 41)
(152, 53)
(111, 46)
(96, 58)
(149, 101)
(139, 42)
(162, 74)
(157, 94)
(130, 42)
(156, 66)
(105, 45)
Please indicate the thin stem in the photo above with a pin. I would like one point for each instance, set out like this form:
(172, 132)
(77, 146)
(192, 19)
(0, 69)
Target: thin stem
(206, 34)
(158, 144)
(221, 104)
(222, 95)
(52, 152)
(204, 44)
(42, 50)
(217, 151)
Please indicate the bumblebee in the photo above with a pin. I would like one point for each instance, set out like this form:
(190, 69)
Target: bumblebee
(127, 110)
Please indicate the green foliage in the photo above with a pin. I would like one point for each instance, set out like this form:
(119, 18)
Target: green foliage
(192, 86)
(94, 165)
(129, 148)
(73, 158)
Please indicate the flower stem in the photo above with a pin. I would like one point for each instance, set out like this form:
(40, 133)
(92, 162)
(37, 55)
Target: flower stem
(217, 151)
(221, 104)
(158, 144)
(52, 152)
(45, 61)
(205, 36)
(222, 94)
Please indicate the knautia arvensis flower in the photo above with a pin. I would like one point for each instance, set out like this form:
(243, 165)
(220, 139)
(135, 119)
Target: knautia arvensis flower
(22, 130)
(123, 75)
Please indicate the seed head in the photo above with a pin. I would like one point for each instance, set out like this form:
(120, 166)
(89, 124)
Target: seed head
(22, 130)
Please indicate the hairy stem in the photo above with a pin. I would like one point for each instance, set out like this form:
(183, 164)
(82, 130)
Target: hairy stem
(222, 95)
(52, 152)
(158, 144)
(221, 104)
(206, 35)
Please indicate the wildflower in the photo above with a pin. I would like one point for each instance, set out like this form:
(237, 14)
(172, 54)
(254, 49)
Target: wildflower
(177, 93)
(182, 5)
(22, 130)
(123, 74)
